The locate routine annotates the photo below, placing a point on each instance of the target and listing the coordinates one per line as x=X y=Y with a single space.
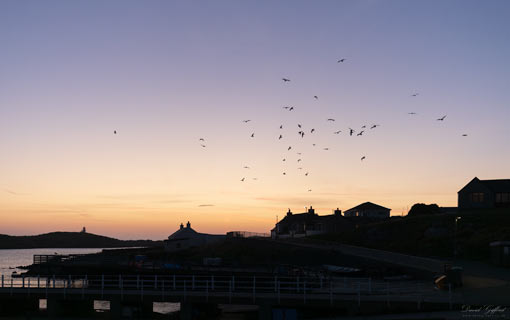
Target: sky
x=164 y=74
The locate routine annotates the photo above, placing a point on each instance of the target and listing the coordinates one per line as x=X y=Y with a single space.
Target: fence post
x=2 y=280
x=23 y=281
x=38 y=281
x=304 y=292
x=359 y=293
x=331 y=292
x=450 y=295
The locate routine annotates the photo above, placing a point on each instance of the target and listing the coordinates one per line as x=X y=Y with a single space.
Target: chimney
x=188 y=225
x=338 y=212
x=289 y=213
x=311 y=210
x=182 y=226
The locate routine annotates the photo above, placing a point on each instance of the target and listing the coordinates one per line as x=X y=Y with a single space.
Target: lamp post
x=455 y=238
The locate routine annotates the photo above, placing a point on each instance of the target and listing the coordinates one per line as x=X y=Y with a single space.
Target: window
x=503 y=197
x=476 y=197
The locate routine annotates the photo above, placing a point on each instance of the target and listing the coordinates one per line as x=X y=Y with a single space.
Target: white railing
x=312 y=288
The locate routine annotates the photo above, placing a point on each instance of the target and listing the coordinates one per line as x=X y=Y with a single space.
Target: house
x=485 y=194
x=186 y=237
x=368 y=210
x=297 y=225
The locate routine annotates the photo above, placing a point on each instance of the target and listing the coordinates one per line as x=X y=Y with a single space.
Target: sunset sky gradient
x=166 y=73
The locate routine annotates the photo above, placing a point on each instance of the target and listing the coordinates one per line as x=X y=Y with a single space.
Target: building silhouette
x=479 y=194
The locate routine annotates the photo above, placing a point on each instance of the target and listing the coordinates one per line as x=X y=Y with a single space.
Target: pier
x=75 y=294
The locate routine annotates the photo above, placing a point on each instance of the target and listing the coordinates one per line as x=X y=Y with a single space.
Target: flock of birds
x=302 y=133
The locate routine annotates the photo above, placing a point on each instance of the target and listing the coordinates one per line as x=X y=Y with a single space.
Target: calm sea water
x=11 y=259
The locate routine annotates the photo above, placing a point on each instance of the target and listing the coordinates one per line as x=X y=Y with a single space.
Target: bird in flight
x=351 y=131
x=290 y=147
x=441 y=119
x=242 y=179
x=246 y=121
x=363 y=158
x=412 y=113
x=299 y=153
x=309 y=190
x=374 y=126
x=316 y=97
x=114 y=131
x=253 y=135
x=337 y=132
x=299 y=126
x=326 y=149
x=306 y=174
x=464 y=135
x=313 y=144
x=285 y=107
x=360 y=133
x=302 y=134
x=300 y=168
x=330 y=119
x=203 y=145
x=341 y=60
x=312 y=131
x=298 y=160
x=246 y=167
x=283 y=159
x=281 y=126
x=280 y=137
x=285 y=80
x=284 y=173
x=415 y=94
x=291 y=108
x=201 y=139
x=363 y=127
x=254 y=178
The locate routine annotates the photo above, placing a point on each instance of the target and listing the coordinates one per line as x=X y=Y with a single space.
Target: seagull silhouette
x=306 y=174
x=412 y=113
x=114 y=131
x=285 y=107
x=351 y=131
x=441 y=119
x=246 y=167
x=299 y=126
x=254 y=178
x=312 y=131
x=415 y=94
x=464 y=135
x=283 y=159
x=280 y=137
x=317 y=98
x=360 y=133
x=326 y=149
x=337 y=132
x=298 y=160
x=309 y=190
x=253 y=135
x=374 y=126
x=363 y=158
x=242 y=179
x=246 y=121
x=291 y=108
x=285 y=80
x=341 y=60
x=284 y=173
x=201 y=139
x=300 y=168
x=203 y=145
x=330 y=119
x=302 y=134
x=299 y=153
x=363 y=127
x=281 y=126
x=290 y=147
